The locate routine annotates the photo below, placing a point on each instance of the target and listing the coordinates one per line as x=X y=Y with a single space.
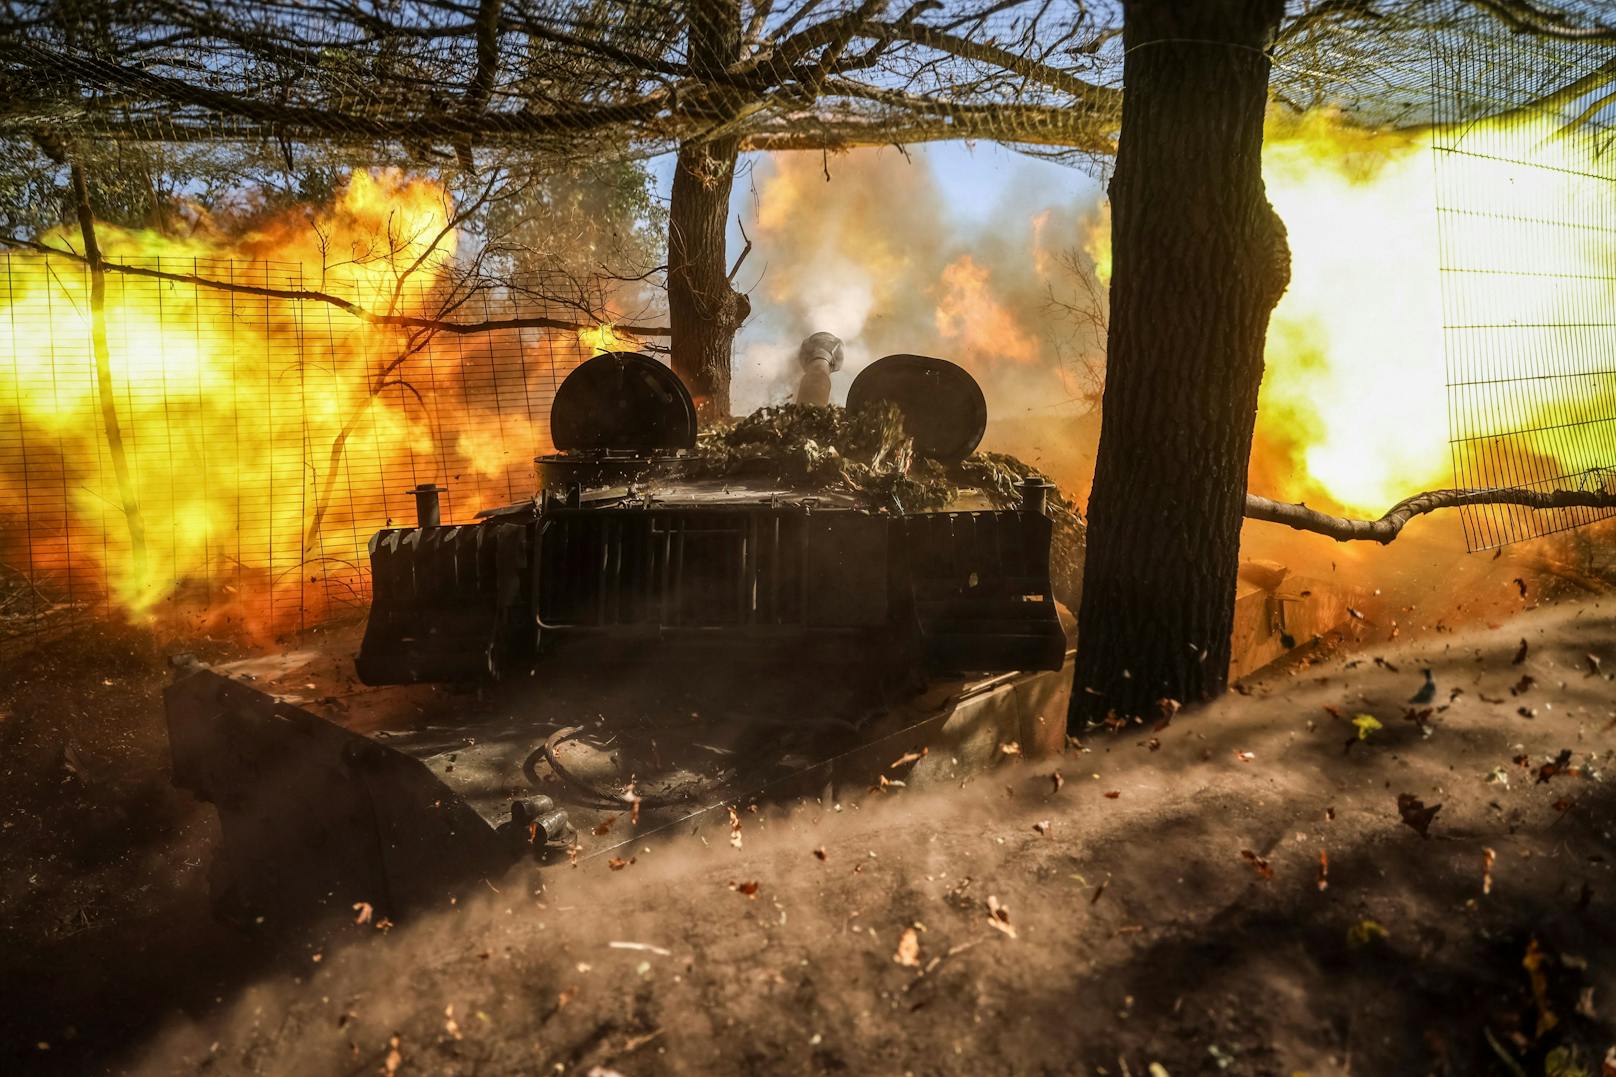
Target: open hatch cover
x=943 y=407
x=623 y=401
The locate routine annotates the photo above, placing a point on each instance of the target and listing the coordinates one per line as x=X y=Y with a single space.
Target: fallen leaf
x=1366 y=724
x=999 y=917
x=1365 y=932
x=363 y=911
x=1488 y=857
x=1258 y=864
x=750 y=889
x=1057 y=781
x=821 y=853
x=617 y=863
x=1522 y=685
x=908 y=954
x=1113 y=794
x=1521 y=584
x=604 y=826
x=1324 y=870
x=395 y=1057
x=1533 y=963
x=1244 y=757
x=450 y=1025
x=1520 y=655
x=1043 y=827
x=1557 y=765
x=1166 y=709
x=1593 y=664
x=734 y=828
x=1010 y=748
x=1415 y=814
x=1154 y=744
x=907 y=757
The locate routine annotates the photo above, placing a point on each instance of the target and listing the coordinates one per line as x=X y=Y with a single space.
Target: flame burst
x=1353 y=408
x=605 y=338
x=973 y=320
x=262 y=433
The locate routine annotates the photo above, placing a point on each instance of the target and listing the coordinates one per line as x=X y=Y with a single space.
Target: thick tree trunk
x=1199 y=262
x=704 y=311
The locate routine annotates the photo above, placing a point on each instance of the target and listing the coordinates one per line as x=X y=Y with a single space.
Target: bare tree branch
x=1529 y=18
x=1389 y=526
x=405 y=321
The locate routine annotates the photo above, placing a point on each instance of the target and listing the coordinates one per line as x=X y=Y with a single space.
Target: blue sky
x=972 y=177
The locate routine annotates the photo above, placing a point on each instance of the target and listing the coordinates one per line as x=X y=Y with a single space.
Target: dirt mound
x=1267 y=886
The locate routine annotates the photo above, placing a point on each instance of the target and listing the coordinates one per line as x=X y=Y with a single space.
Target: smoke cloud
x=877 y=255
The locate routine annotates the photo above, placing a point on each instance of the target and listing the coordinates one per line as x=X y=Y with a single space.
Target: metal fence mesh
x=1525 y=163
x=266 y=439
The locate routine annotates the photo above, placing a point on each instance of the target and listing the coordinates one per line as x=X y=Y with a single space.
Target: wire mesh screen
x=265 y=439
x=1526 y=204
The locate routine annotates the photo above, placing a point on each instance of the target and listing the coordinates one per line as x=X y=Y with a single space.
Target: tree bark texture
x=704 y=310
x=1199 y=261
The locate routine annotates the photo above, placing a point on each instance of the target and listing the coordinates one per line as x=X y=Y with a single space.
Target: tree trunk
x=1199 y=261
x=704 y=311
x=105 y=390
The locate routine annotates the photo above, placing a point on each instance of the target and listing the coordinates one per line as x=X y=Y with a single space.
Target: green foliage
x=579 y=218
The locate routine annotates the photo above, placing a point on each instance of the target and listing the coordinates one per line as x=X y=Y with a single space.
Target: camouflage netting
x=867 y=456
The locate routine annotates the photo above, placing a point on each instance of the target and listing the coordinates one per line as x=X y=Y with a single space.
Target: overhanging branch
x=1525 y=17
x=400 y=321
x=1389 y=526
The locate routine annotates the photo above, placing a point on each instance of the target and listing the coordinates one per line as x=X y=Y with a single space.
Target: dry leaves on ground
x=908 y=954
x=1415 y=814
x=999 y=917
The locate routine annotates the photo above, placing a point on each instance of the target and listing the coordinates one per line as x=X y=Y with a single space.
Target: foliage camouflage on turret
x=867 y=455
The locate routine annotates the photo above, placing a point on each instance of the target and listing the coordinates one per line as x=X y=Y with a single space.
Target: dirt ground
x=1239 y=892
